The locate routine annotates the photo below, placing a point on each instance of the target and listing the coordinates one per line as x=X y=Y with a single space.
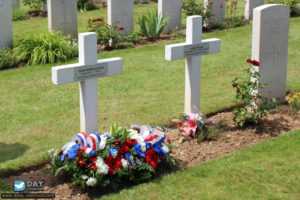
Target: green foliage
x=133 y=37
x=208 y=133
x=255 y=106
x=42 y=48
x=234 y=20
x=85 y=5
x=152 y=25
x=7 y=59
x=107 y=35
x=193 y=7
x=294 y=102
x=34 y=5
x=295 y=11
x=18 y=14
x=125 y=45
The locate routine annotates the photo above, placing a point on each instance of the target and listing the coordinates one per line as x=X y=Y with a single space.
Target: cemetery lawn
x=36 y=115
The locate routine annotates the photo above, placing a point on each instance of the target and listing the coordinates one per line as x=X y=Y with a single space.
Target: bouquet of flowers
x=195 y=125
x=109 y=158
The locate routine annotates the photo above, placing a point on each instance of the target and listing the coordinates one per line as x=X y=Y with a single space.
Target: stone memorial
x=270 y=35
x=16 y=3
x=121 y=11
x=250 y=5
x=192 y=50
x=173 y=10
x=62 y=16
x=86 y=73
x=217 y=9
x=143 y=1
x=6 y=31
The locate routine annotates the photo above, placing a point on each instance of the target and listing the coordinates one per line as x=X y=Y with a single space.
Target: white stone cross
x=86 y=72
x=192 y=50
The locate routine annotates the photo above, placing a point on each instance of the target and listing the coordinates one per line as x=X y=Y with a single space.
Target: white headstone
x=173 y=10
x=86 y=73
x=62 y=16
x=217 y=9
x=270 y=34
x=121 y=11
x=192 y=50
x=250 y=5
x=143 y=1
x=6 y=32
x=16 y=3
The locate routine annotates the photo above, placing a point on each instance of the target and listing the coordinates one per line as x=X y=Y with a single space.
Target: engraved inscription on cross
x=86 y=72
x=192 y=50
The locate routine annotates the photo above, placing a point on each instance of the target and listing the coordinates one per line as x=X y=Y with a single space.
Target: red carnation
x=151 y=158
x=255 y=63
x=121 y=28
x=133 y=142
x=113 y=163
x=93 y=158
x=117 y=143
x=92 y=166
x=80 y=161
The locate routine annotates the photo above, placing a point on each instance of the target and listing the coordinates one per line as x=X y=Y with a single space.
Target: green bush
x=152 y=25
x=107 y=35
x=18 y=14
x=234 y=20
x=192 y=7
x=34 y=5
x=45 y=48
x=7 y=59
x=125 y=45
x=133 y=38
x=85 y=5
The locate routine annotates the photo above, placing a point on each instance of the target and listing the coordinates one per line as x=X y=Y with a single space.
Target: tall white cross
x=192 y=50
x=86 y=72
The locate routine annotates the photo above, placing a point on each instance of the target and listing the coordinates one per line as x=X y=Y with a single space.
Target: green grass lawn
x=269 y=170
x=36 y=115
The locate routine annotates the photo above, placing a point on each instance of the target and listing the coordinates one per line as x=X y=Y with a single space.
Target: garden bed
x=188 y=153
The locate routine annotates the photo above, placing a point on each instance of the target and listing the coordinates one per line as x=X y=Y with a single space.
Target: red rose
x=151 y=158
x=169 y=140
x=113 y=163
x=121 y=28
x=255 y=63
x=133 y=142
x=93 y=158
x=80 y=161
x=249 y=60
x=99 y=19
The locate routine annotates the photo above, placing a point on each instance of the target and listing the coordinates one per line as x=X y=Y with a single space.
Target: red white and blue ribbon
x=88 y=150
x=80 y=139
x=93 y=141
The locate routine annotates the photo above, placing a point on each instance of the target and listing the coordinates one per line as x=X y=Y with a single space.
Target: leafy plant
x=18 y=14
x=34 y=5
x=152 y=25
x=193 y=7
x=234 y=20
x=85 y=5
x=42 y=48
x=295 y=11
x=7 y=59
x=107 y=35
x=133 y=37
x=294 y=102
x=255 y=106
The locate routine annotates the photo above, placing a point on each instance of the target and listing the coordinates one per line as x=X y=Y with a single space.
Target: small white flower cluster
x=125 y=163
x=102 y=168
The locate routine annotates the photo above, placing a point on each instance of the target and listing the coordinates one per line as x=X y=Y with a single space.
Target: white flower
x=102 y=168
x=165 y=148
x=91 y=182
x=137 y=137
x=124 y=163
x=84 y=177
x=143 y=147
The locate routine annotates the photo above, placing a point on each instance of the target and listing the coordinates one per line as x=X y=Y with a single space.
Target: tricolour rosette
x=80 y=139
x=94 y=141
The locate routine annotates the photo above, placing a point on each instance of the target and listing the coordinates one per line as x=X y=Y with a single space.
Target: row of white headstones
x=269 y=47
x=62 y=15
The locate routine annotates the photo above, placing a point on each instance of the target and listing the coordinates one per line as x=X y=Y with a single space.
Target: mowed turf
x=36 y=115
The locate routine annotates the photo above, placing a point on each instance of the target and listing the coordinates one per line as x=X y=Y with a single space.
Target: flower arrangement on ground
x=196 y=126
x=110 y=158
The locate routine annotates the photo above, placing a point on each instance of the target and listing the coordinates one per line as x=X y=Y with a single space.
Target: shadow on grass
x=11 y=151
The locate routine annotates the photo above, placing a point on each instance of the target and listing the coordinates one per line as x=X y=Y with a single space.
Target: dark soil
x=189 y=153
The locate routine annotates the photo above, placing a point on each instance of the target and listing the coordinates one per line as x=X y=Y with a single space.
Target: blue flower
x=127 y=156
x=113 y=152
x=137 y=149
x=71 y=153
x=157 y=148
